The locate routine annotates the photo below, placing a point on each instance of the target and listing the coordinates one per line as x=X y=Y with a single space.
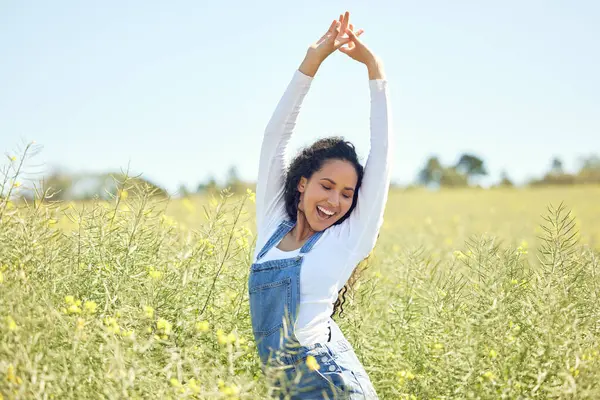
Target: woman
x=314 y=227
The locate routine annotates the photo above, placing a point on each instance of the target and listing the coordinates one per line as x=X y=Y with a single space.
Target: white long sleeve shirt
x=327 y=267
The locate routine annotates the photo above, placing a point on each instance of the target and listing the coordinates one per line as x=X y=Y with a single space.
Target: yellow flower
x=1 y=277
x=74 y=309
x=148 y=312
x=174 y=382
x=80 y=323
x=127 y=333
x=164 y=326
x=69 y=299
x=202 y=326
x=489 y=375
x=124 y=194
x=231 y=338
x=154 y=274
x=111 y=325
x=405 y=375
x=90 y=306
x=493 y=354
x=13 y=158
x=230 y=390
x=10 y=322
x=221 y=337
x=11 y=376
x=17 y=184
x=193 y=385
x=251 y=195
x=312 y=363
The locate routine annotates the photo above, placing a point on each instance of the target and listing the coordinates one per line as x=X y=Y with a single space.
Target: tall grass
x=119 y=300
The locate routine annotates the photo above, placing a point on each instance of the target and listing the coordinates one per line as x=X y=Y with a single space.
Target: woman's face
x=327 y=195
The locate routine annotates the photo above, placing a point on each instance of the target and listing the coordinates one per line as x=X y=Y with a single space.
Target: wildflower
x=164 y=326
x=221 y=337
x=111 y=325
x=80 y=323
x=193 y=385
x=493 y=353
x=74 y=309
x=127 y=333
x=17 y=184
x=489 y=375
x=69 y=299
x=1 y=277
x=230 y=390
x=231 y=338
x=438 y=346
x=406 y=374
x=90 y=306
x=148 y=312
x=312 y=363
x=202 y=326
x=12 y=158
x=11 y=324
x=251 y=195
x=459 y=255
x=174 y=382
x=154 y=274
x=11 y=377
x=124 y=194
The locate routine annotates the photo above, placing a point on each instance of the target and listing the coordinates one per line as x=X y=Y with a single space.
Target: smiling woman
x=316 y=220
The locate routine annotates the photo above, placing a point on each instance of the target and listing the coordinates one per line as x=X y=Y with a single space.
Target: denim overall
x=274 y=290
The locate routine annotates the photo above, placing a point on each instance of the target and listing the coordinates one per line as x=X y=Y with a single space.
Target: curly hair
x=308 y=161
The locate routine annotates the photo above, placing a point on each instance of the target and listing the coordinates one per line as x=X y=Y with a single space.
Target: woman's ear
x=302 y=184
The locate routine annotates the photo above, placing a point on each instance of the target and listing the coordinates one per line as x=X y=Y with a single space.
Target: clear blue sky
x=183 y=89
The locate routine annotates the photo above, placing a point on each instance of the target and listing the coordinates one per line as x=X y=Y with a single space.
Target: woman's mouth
x=323 y=213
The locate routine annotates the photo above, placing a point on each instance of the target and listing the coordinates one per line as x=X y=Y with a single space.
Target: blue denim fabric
x=274 y=289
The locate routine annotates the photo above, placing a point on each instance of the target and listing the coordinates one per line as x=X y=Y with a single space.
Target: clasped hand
x=341 y=33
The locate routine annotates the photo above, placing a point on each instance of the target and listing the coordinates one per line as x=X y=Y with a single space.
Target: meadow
x=469 y=293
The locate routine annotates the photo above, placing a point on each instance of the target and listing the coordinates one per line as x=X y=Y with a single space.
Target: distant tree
x=210 y=186
x=183 y=190
x=471 y=166
x=233 y=181
x=452 y=178
x=431 y=172
x=505 y=180
x=590 y=170
x=556 y=167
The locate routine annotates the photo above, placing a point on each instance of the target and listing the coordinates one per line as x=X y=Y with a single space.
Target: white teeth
x=324 y=211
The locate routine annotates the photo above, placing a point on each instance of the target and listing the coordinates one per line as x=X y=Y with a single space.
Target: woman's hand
x=357 y=50
x=332 y=40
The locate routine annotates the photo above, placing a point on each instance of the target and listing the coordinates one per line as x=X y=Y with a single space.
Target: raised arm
x=271 y=170
x=359 y=232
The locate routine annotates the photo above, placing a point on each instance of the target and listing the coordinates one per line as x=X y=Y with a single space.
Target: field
x=468 y=294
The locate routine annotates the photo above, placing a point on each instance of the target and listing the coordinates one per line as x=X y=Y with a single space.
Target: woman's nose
x=334 y=199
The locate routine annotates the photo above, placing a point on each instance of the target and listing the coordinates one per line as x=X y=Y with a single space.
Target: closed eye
x=328 y=188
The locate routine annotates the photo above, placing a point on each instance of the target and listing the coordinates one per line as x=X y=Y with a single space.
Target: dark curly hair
x=308 y=161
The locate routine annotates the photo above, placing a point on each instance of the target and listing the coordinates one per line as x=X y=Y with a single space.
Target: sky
x=180 y=91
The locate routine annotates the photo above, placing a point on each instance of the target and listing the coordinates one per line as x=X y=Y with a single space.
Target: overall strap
x=310 y=242
x=282 y=230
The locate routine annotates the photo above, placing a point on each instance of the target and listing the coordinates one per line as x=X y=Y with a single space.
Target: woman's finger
x=330 y=30
x=345 y=22
x=354 y=36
